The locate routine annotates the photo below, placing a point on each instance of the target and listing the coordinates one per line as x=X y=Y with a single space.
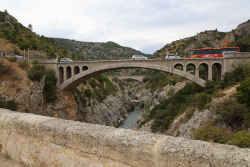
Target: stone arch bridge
x=71 y=74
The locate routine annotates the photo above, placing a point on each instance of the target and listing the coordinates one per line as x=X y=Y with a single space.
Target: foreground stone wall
x=46 y=141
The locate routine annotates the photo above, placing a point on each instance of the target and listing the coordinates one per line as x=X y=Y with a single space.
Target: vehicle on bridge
x=211 y=52
x=139 y=57
x=172 y=56
x=66 y=60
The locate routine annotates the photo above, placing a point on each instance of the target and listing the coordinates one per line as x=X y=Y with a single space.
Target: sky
x=144 y=25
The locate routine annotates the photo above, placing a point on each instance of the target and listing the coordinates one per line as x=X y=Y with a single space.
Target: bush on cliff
x=231 y=113
x=36 y=73
x=8 y=104
x=164 y=113
x=242 y=139
x=210 y=133
x=5 y=69
x=50 y=85
x=12 y=59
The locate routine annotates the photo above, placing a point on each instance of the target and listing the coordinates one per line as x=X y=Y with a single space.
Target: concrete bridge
x=71 y=74
x=135 y=77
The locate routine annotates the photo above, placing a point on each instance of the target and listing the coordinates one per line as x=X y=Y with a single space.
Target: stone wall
x=46 y=141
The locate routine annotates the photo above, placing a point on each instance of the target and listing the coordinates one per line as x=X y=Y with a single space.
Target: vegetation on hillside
x=97 y=50
x=37 y=72
x=94 y=90
x=211 y=38
x=25 y=39
x=5 y=103
x=156 y=80
x=234 y=112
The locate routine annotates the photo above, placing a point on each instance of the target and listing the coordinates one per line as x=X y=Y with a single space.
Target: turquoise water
x=129 y=121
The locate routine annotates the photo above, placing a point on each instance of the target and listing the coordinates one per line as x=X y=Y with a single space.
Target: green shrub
x=50 y=85
x=201 y=99
x=36 y=73
x=171 y=92
x=189 y=113
x=243 y=95
x=92 y=82
x=88 y=93
x=230 y=112
x=242 y=139
x=208 y=132
x=247 y=119
x=5 y=69
x=34 y=62
x=23 y=64
x=8 y=104
x=12 y=59
x=12 y=105
x=116 y=80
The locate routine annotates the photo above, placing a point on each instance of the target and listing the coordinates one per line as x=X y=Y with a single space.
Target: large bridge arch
x=75 y=80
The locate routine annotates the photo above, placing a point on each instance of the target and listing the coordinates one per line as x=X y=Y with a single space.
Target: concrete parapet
x=45 y=141
x=236 y=55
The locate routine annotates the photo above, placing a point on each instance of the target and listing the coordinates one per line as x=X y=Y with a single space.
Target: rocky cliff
x=30 y=98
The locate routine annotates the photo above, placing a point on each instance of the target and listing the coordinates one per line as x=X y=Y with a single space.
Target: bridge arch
x=84 y=68
x=68 y=72
x=60 y=75
x=206 y=66
x=179 y=65
x=75 y=80
x=76 y=70
x=219 y=70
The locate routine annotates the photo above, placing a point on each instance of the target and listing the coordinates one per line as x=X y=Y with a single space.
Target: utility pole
x=28 y=54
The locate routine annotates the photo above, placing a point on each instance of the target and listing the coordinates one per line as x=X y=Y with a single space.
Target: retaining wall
x=46 y=141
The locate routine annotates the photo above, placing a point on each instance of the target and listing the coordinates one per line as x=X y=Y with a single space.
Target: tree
x=242 y=139
x=50 y=85
x=30 y=27
x=243 y=95
x=231 y=112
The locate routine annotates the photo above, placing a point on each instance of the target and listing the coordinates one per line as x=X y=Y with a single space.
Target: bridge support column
x=64 y=75
x=210 y=73
x=196 y=72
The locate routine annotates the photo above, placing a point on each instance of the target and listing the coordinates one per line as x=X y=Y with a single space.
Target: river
x=129 y=121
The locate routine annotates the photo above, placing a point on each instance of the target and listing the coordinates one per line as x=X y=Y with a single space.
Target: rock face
x=199 y=118
x=110 y=112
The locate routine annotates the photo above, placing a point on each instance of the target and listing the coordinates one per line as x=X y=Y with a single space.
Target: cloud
x=145 y=25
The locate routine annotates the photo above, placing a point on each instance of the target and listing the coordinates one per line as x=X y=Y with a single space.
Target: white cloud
x=146 y=25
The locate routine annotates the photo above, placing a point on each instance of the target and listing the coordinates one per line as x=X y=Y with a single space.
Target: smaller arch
x=68 y=72
x=84 y=68
x=179 y=66
x=218 y=71
x=191 y=68
x=203 y=71
x=61 y=75
x=76 y=70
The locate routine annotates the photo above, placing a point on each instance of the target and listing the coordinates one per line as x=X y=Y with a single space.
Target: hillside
x=97 y=50
x=239 y=37
x=15 y=38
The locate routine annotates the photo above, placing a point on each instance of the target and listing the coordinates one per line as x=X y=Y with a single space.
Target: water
x=129 y=121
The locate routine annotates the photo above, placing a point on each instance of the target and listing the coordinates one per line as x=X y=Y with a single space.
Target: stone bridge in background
x=135 y=77
x=71 y=74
